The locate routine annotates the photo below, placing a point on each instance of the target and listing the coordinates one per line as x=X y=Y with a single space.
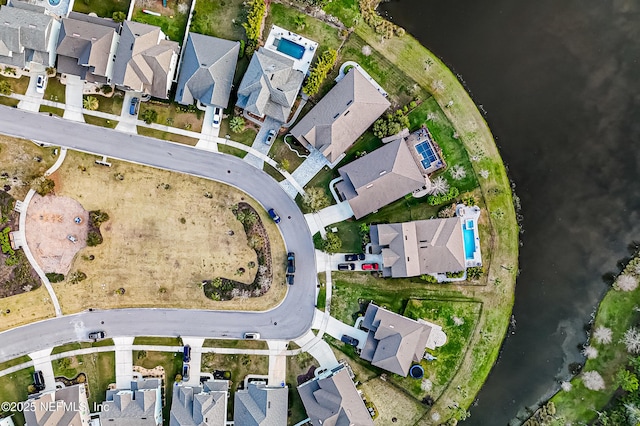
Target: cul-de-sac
x=226 y=212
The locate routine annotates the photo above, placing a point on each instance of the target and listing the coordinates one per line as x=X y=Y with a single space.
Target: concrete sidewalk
x=333 y=214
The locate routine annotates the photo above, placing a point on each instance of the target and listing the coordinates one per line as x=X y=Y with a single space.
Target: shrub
x=241 y=51
x=106 y=89
x=458 y=274
x=626 y=282
x=118 y=16
x=54 y=277
x=319 y=72
x=91 y=103
x=93 y=239
x=428 y=278
x=5 y=88
x=626 y=380
x=593 y=380
x=475 y=272
x=76 y=277
x=435 y=200
x=236 y=124
x=5 y=243
x=603 y=335
x=253 y=26
x=315 y=199
x=98 y=217
x=149 y=116
x=44 y=186
x=391 y=124
x=332 y=244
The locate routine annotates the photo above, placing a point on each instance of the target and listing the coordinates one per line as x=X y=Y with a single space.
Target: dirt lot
x=167 y=232
x=51 y=222
x=19 y=164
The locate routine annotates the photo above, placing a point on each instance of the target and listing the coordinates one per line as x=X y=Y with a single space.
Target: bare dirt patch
x=21 y=162
x=167 y=233
x=51 y=226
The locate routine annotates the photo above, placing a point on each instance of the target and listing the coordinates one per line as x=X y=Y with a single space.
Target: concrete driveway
x=208 y=130
x=73 y=99
x=32 y=103
x=327 y=216
x=258 y=142
x=128 y=122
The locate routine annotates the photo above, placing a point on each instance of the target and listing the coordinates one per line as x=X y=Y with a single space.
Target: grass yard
x=18 y=158
x=13 y=388
x=9 y=101
x=235 y=344
x=100 y=369
x=18 y=85
x=14 y=362
x=406 y=410
x=170 y=115
x=172 y=363
x=322 y=298
x=99 y=121
x=167 y=136
x=110 y=104
x=281 y=151
x=273 y=172
x=55 y=91
x=154 y=340
x=246 y=137
x=102 y=8
x=297 y=365
x=163 y=238
x=327 y=36
x=52 y=110
x=221 y=19
x=347 y=11
x=232 y=151
x=173 y=20
x=81 y=345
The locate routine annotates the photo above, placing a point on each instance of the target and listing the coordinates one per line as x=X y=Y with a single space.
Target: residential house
x=342 y=115
x=270 y=86
x=333 y=400
x=380 y=178
x=141 y=405
x=27 y=36
x=145 y=60
x=204 y=405
x=261 y=405
x=61 y=407
x=395 y=342
x=7 y=421
x=207 y=69
x=87 y=47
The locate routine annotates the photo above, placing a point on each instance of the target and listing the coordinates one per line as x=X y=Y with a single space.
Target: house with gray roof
x=27 y=36
x=395 y=342
x=61 y=407
x=410 y=249
x=333 y=400
x=270 y=86
x=139 y=406
x=380 y=178
x=207 y=69
x=87 y=47
x=204 y=405
x=341 y=116
x=261 y=405
x=145 y=60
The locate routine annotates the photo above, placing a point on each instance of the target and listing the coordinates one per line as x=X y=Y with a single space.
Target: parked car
x=97 y=335
x=185 y=372
x=252 y=336
x=290 y=279
x=217 y=117
x=40 y=84
x=353 y=257
x=274 y=215
x=38 y=380
x=186 y=353
x=291 y=263
x=346 y=266
x=350 y=340
x=270 y=137
x=72 y=239
x=133 y=108
x=370 y=266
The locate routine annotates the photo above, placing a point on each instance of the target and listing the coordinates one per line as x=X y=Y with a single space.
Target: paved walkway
x=73 y=99
x=310 y=167
x=318 y=348
x=124 y=361
x=333 y=214
x=42 y=361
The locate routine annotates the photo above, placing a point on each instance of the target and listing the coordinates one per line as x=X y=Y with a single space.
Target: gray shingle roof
x=260 y=405
x=207 y=69
x=204 y=405
x=345 y=113
x=334 y=401
x=145 y=60
x=73 y=396
x=270 y=85
x=394 y=341
x=135 y=407
x=84 y=46
x=379 y=178
x=25 y=35
x=421 y=247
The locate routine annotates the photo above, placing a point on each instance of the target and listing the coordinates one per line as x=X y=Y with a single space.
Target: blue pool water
x=469 y=242
x=290 y=48
x=54 y=2
x=426 y=151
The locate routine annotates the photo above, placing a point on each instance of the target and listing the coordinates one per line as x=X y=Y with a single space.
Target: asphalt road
x=289 y=320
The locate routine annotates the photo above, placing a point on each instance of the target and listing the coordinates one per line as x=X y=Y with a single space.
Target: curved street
x=289 y=320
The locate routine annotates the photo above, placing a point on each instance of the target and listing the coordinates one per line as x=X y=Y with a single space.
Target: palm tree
x=236 y=124
x=299 y=22
x=90 y=103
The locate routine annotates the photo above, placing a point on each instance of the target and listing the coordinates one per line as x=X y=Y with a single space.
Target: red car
x=370 y=267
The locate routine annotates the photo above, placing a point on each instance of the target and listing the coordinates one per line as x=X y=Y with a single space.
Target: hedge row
x=435 y=200
x=320 y=71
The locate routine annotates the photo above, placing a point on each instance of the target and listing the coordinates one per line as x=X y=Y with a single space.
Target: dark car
x=133 y=107
x=370 y=267
x=290 y=278
x=346 y=266
x=353 y=257
x=186 y=353
x=38 y=380
x=350 y=340
x=185 y=372
x=274 y=215
x=97 y=335
x=291 y=263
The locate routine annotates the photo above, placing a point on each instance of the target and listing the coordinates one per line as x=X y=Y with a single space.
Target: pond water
x=559 y=82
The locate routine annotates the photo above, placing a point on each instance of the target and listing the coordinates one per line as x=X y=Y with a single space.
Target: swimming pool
x=426 y=151
x=469 y=242
x=290 y=48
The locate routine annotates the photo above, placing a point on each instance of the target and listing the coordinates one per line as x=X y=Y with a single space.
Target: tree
x=627 y=380
x=299 y=22
x=118 y=16
x=602 y=335
x=43 y=186
x=91 y=103
x=626 y=282
x=5 y=88
x=590 y=352
x=51 y=71
x=315 y=199
x=284 y=164
x=333 y=243
x=631 y=340
x=593 y=380
x=439 y=186
x=320 y=71
x=98 y=217
x=93 y=239
x=236 y=124
x=149 y=116
x=253 y=26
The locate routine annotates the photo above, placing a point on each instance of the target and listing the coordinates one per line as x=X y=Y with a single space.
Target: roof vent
x=76 y=35
x=370 y=186
x=32 y=26
x=93 y=39
x=349 y=103
x=383 y=172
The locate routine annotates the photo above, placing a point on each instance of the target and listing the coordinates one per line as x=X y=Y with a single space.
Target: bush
x=236 y=124
x=241 y=51
x=5 y=243
x=315 y=199
x=44 y=186
x=428 y=278
x=253 y=26
x=5 y=88
x=391 y=124
x=475 y=272
x=93 y=239
x=319 y=72
x=98 y=217
x=76 y=277
x=458 y=274
x=149 y=116
x=106 y=89
x=118 y=16
x=332 y=244
x=435 y=200
x=54 y=277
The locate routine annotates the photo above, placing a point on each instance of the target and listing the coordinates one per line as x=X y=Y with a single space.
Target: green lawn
x=322 y=298
x=167 y=136
x=280 y=151
x=327 y=36
x=99 y=121
x=55 y=91
x=172 y=21
x=322 y=180
x=13 y=388
x=18 y=85
x=219 y=19
x=245 y=137
x=52 y=110
x=102 y=8
x=235 y=344
x=171 y=114
x=15 y=361
x=231 y=150
x=100 y=369
x=81 y=345
x=297 y=365
x=347 y=11
x=172 y=363
x=9 y=101
x=111 y=104
x=165 y=341
x=273 y=172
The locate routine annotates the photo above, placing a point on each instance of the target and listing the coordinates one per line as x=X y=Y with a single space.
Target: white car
x=40 y=84
x=217 y=117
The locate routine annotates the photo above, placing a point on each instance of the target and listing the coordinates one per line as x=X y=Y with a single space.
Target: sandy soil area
x=50 y=226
